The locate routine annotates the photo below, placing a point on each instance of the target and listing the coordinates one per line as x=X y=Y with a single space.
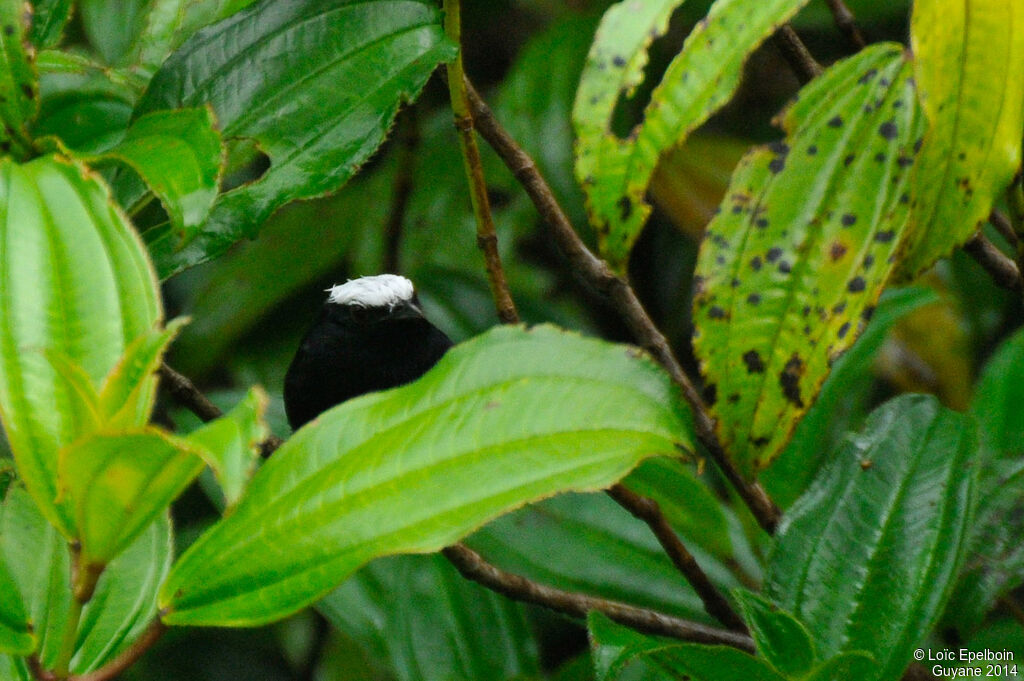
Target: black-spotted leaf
x=118 y=484
x=315 y=84
x=19 y=83
x=121 y=607
x=615 y=172
x=793 y=264
x=178 y=154
x=74 y=280
x=868 y=556
x=969 y=66
x=232 y=443
x=509 y=417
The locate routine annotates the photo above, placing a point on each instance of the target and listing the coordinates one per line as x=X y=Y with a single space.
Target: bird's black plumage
x=356 y=348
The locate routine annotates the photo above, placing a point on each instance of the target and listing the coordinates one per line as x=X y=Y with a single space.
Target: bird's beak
x=408 y=310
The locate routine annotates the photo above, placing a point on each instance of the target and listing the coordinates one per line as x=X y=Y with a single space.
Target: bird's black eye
x=361 y=315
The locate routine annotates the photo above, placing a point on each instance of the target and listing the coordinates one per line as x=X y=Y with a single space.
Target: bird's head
x=370 y=300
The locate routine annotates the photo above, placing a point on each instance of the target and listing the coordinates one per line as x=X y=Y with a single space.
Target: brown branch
x=621 y=296
x=1005 y=228
x=796 y=53
x=407 y=139
x=189 y=396
x=35 y=668
x=647 y=510
x=486 y=234
x=1003 y=270
x=129 y=656
x=518 y=588
x=847 y=23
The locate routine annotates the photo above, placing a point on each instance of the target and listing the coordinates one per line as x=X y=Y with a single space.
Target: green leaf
x=111 y=25
x=791 y=268
x=178 y=154
x=329 y=81
x=587 y=543
x=418 y=614
x=19 y=83
x=866 y=559
x=15 y=629
x=998 y=398
x=48 y=20
x=125 y=598
x=847 y=389
x=119 y=484
x=969 y=64
x=232 y=443
x=614 y=647
x=504 y=419
x=615 y=172
x=129 y=390
x=780 y=638
x=85 y=105
x=74 y=279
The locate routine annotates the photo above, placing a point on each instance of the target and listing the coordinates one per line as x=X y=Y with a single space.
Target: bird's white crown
x=382 y=290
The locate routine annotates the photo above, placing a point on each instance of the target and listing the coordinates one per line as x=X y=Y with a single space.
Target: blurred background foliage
x=408 y=211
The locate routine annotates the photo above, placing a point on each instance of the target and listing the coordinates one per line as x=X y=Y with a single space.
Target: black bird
x=371 y=335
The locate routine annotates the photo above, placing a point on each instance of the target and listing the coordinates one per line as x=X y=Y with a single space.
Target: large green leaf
x=122 y=605
x=507 y=418
x=587 y=543
x=74 y=279
x=969 y=65
x=615 y=172
x=88 y=107
x=178 y=154
x=419 y=615
x=791 y=268
x=119 y=484
x=867 y=557
x=19 y=83
x=315 y=84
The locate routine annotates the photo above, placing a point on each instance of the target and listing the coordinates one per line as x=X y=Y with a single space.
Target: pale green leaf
x=178 y=154
x=119 y=484
x=969 y=65
x=868 y=556
x=232 y=443
x=615 y=172
x=122 y=605
x=792 y=266
x=331 y=77
x=507 y=418
x=74 y=279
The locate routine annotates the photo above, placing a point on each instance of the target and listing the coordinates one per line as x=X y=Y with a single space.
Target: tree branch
x=188 y=395
x=1004 y=227
x=800 y=59
x=1003 y=270
x=129 y=656
x=847 y=23
x=518 y=588
x=647 y=510
x=486 y=234
x=620 y=294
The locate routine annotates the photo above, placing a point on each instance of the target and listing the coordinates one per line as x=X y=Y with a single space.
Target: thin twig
x=647 y=510
x=407 y=139
x=1005 y=228
x=621 y=296
x=129 y=656
x=847 y=23
x=188 y=395
x=35 y=668
x=796 y=53
x=474 y=567
x=486 y=234
x=1004 y=271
